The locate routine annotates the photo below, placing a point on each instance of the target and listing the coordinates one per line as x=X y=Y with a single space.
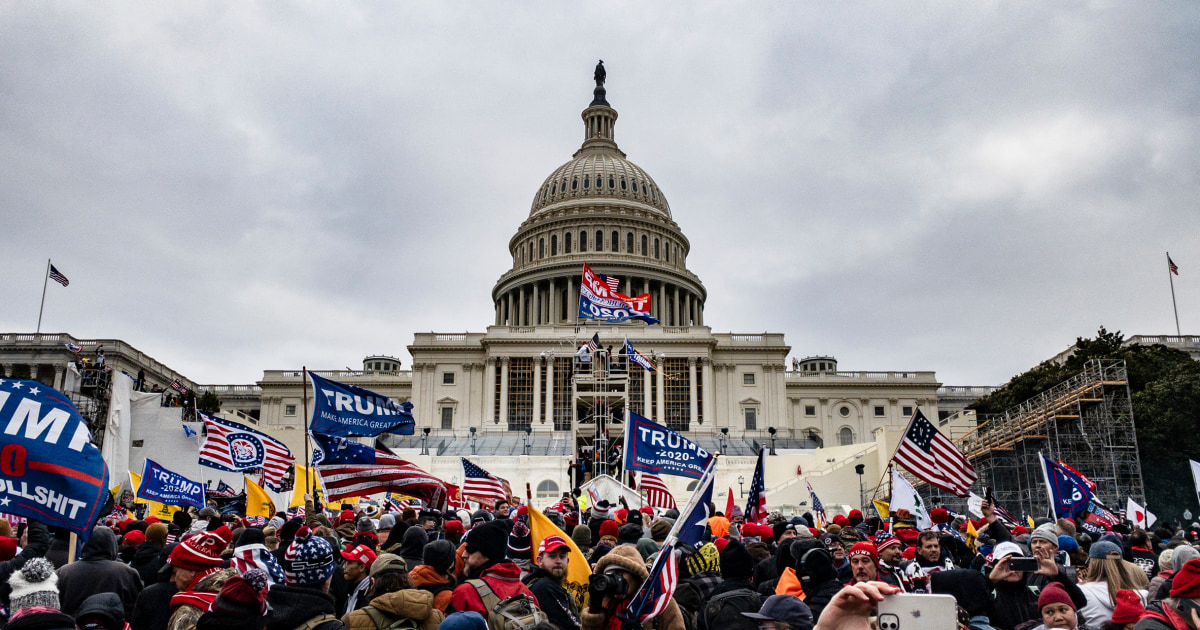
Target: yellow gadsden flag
x=304 y=481
x=882 y=508
x=258 y=502
x=578 y=569
x=972 y=535
x=158 y=510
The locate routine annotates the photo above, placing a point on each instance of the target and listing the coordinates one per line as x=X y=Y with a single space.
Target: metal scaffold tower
x=1085 y=421
x=599 y=394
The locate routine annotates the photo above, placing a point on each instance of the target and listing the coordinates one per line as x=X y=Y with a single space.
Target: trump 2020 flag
x=1069 y=493
x=49 y=469
x=651 y=447
x=169 y=488
x=347 y=410
x=597 y=300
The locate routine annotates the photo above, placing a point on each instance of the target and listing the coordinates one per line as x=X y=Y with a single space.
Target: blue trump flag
x=653 y=448
x=1068 y=492
x=347 y=410
x=49 y=469
x=169 y=488
x=332 y=450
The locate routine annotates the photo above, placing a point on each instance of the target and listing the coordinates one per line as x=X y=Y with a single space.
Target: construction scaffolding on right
x=1086 y=422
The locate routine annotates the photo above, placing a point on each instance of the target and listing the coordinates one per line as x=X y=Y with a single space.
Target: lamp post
x=724 y=436
x=771 y=430
x=425 y=441
x=472 y=440
x=528 y=431
x=741 y=488
x=860 y=470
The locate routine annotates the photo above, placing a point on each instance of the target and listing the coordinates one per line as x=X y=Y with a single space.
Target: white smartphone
x=911 y=611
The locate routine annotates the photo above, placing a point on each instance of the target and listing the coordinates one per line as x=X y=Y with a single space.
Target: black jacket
x=147 y=560
x=107 y=606
x=553 y=599
x=292 y=606
x=412 y=546
x=152 y=610
x=98 y=572
x=39 y=543
x=1015 y=603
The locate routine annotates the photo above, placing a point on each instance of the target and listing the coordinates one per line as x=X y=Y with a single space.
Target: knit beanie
x=1047 y=533
x=156 y=533
x=864 y=548
x=39 y=618
x=439 y=555
x=1182 y=555
x=1067 y=543
x=308 y=561
x=609 y=528
x=244 y=594
x=200 y=552
x=883 y=540
x=634 y=517
x=289 y=529
x=387 y=521
x=706 y=559
x=1186 y=584
x=35 y=584
x=582 y=537
x=365 y=524
x=736 y=562
x=659 y=529
x=939 y=516
x=629 y=534
x=469 y=620
x=490 y=539
x=1054 y=593
x=1128 y=608
x=519 y=542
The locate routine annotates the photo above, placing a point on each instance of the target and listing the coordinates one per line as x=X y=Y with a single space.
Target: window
x=611 y=182
x=747 y=379
x=137 y=443
x=656 y=248
x=599 y=241
x=635 y=185
x=616 y=241
x=645 y=245
x=810 y=410
x=567 y=243
x=586 y=181
x=289 y=410
x=541 y=248
x=574 y=184
x=751 y=418
x=553 y=244
x=844 y=411
x=907 y=411
x=599 y=182
x=583 y=241
x=447 y=378
x=447 y=417
x=878 y=410
x=622 y=184
x=846 y=436
x=667 y=252
x=547 y=490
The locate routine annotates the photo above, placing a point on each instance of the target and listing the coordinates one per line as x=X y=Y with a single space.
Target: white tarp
x=605 y=487
x=115 y=448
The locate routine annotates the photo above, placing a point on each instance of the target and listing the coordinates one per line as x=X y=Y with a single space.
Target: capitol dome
x=603 y=210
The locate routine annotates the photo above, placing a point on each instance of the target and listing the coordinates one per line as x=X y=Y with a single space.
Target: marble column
x=553 y=303
x=687 y=309
x=522 y=318
x=508 y=321
x=709 y=391
x=693 y=410
x=550 y=390
x=663 y=308
x=535 y=305
x=537 y=388
x=662 y=396
x=676 y=311
x=489 y=391
x=504 y=390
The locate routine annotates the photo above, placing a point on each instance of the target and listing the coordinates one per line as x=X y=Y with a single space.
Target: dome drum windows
x=616 y=241
x=645 y=245
x=629 y=243
x=599 y=241
x=553 y=244
x=583 y=241
x=567 y=243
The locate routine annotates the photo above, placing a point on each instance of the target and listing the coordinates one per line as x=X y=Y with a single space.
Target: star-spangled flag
x=74 y=348
x=1170 y=265
x=756 y=505
x=235 y=448
x=57 y=276
x=657 y=493
x=613 y=282
x=933 y=458
x=482 y=486
x=593 y=344
x=225 y=489
x=257 y=556
x=820 y=518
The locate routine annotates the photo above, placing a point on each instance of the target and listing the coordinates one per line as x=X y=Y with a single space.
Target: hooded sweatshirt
x=105 y=605
x=292 y=606
x=441 y=586
x=412 y=546
x=98 y=572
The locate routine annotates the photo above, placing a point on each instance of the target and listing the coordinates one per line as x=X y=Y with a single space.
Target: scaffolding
x=1085 y=421
x=599 y=398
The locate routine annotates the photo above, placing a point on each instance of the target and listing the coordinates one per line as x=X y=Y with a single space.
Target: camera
x=608 y=584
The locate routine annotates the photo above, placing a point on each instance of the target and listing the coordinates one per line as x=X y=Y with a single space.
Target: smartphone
x=1023 y=565
x=987 y=494
x=910 y=611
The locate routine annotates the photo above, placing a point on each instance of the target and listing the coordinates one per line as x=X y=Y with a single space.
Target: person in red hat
x=356 y=566
x=1056 y=608
x=1128 y=610
x=864 y=562
x=1180 y=610
x=608 y=532
x=546 y=583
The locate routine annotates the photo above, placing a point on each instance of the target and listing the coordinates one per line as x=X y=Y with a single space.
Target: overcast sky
x=954 y=186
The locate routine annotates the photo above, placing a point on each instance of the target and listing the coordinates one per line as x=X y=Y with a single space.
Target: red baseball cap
x=551 y=543
x=361 y=553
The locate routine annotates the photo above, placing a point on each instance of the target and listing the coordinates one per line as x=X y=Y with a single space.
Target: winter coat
x=409 y=603
x=98 y=572
x=185 y=616
x=1152 y=623
x=553 y=599
x=152 y=610
x=39 y=543
x=1099 y=608
x=504 y=578
x=107 y=605
x=627 y=557
x=293 y=606
x=441 y=586
x=147 y=560
x=1014 y=603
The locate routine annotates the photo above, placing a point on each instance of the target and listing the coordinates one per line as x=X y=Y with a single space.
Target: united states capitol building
x=516 y=398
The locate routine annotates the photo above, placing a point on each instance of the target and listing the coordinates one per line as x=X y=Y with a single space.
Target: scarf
x=203 y=601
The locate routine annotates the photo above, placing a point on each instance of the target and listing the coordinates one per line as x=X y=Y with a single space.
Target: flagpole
x=894 y=451
x=46 y=281
x=1169 y=277
x=1049 y=489
x=307 y=422
x=708 y=473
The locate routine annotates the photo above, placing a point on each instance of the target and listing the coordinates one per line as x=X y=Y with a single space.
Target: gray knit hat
x=365 y=524
x=35 y=584
x=387 y=521
x=1047 y=533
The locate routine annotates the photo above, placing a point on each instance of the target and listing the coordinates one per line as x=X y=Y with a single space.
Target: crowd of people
x=358 y=567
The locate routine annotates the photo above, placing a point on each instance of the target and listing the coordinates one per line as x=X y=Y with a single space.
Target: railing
x=112 y=347
x=450 y=336
x=863 y=375
x=1165 y=340
x=966 y=390
x=336 y=374
x=230 y=389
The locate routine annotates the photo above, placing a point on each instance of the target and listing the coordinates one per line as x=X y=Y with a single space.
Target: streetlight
x=425 y=441
x=528 y=431
x=724 y=436
x=860 y=470
x=741 y=489
x=472 y=440
x=771 y=430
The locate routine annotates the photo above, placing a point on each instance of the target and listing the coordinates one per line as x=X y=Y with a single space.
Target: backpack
x=382 y=620
x=518 y=612
x=724 y=611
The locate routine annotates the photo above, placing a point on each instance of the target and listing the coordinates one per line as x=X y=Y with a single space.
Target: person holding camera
x=1180 y=610
x=617 y=577
x=1015 y=602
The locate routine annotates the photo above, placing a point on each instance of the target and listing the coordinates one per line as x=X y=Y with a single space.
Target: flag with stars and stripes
x=756 y=505
x=1170 y=266
x=234 y=447
x=593 y=344
x=933 y=458
x=613 y=282
x=657 y=494
x=656 y=591
x=482 y=486
x=57 y=276
x=819 y=517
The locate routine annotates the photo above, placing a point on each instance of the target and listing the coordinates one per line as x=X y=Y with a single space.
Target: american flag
x=224 y=489
x=1004 y=516
x=389 y=473
x=818 y=510
x=655 y=594
x=234 y=447
x=57 y=276
x=657 y=494
x=1170 y=265
x=257 y=556
x=593 y=344
x=482 y=486
x=756 y=506
x=74 y=348
x=613 y=282
x=179 y=387
x=933 y=458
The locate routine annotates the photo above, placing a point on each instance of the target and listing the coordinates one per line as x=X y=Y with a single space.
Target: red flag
x=729 y=503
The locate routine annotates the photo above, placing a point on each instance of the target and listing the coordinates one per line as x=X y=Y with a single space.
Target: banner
x=233 y=504
x=905 y=497
x=1069 y=493
x=236 y=448
x=164 y=486
x=1096 y=519
x=258 y=502
x=599 y=302
x=653 y=448
x=305 y=477
x=156 y=509
x=578 y=569
x=346 y=410
x=1195 y=466
x=49 y=469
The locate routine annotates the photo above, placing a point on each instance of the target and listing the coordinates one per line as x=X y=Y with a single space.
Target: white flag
x=905 y=497
x=1195 y=474
x=1139 y=515
x=975 y=505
